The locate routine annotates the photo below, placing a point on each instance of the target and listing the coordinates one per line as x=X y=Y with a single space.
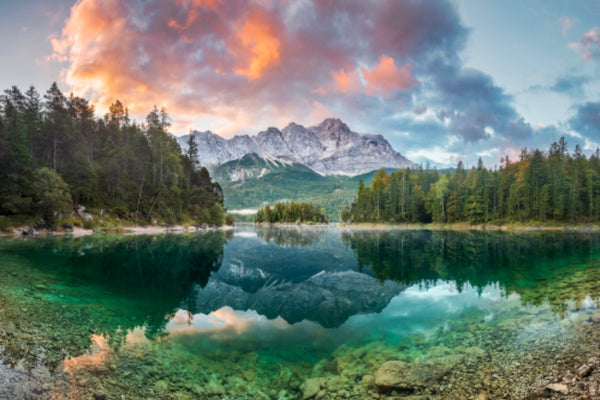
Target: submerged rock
x=393 y=375
x=418 y=375
x=312 y=387
x=584 y=370
x=557 y=387
x=429 y=372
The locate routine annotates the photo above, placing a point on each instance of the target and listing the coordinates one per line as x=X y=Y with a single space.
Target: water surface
x=258 y=312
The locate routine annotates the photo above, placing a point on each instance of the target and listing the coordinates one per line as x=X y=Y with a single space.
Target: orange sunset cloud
x=257 y=48
x=386 y=76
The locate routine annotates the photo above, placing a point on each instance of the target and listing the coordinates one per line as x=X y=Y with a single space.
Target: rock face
x=329 y=148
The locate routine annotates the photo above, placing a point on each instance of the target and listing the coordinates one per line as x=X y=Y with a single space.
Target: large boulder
x=418 y=375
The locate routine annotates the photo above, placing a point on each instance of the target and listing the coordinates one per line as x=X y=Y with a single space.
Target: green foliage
x=553 y=186
x=291 y=212
x=109 y=163
x=51 y=193
x=229 y=219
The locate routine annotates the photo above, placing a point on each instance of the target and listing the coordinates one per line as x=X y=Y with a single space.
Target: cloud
x=347 y=82
x=248 y=65
x=589 y=45
x=572 y=85
x=566 y=23
x=471 y=105
x=387 y=77
x=586 y=121
x=255 y=47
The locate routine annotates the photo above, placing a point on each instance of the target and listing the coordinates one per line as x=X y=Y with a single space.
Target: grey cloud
x=572 y=85
x=587 y=120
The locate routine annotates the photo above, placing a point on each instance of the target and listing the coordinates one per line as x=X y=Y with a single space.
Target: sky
x=442 y=80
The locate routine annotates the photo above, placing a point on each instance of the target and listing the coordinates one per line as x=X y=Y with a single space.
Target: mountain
x=329 y=148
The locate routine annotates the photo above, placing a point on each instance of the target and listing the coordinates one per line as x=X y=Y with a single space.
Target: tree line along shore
x=56 y=154
x=550 y=188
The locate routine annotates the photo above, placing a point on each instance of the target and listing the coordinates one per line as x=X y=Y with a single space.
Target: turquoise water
x=267 y=312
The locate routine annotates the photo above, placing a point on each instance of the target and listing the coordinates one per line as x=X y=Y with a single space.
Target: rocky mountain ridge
x=330 y=148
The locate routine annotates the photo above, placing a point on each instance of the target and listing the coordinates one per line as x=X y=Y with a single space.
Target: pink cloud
x=589 y=45
x=347 y=82
x=387 y=77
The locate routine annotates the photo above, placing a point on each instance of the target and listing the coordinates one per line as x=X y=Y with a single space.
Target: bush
x=88 y=224
x=51 y=192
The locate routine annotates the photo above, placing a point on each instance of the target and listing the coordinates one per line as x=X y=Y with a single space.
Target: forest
x=541 y=187
x=290 y=212
x=56 y=154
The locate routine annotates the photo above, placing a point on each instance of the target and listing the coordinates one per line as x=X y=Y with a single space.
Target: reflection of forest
x=70 y=288
x=553 y=267
x=291 y=235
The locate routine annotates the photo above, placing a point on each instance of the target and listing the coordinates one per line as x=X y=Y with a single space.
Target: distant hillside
x=270 y=181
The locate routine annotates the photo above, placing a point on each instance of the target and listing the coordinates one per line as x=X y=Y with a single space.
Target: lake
x=293 y=313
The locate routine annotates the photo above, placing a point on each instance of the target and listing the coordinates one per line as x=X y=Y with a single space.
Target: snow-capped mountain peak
x=329 y=148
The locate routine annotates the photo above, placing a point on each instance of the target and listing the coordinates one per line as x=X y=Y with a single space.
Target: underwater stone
x=427 y=373
x=392 y=374
x=312 y=387
x=400 y=375
x=558 y=387
x=214 y=389
x=584 y=370
x=367 y=380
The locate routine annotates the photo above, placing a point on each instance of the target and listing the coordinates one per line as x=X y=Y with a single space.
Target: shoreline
x=467 y=227
x=356 y=227
x=123 y=230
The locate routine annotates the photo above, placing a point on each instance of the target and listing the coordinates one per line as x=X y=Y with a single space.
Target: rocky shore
x=27 y=231
x=489 y=362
